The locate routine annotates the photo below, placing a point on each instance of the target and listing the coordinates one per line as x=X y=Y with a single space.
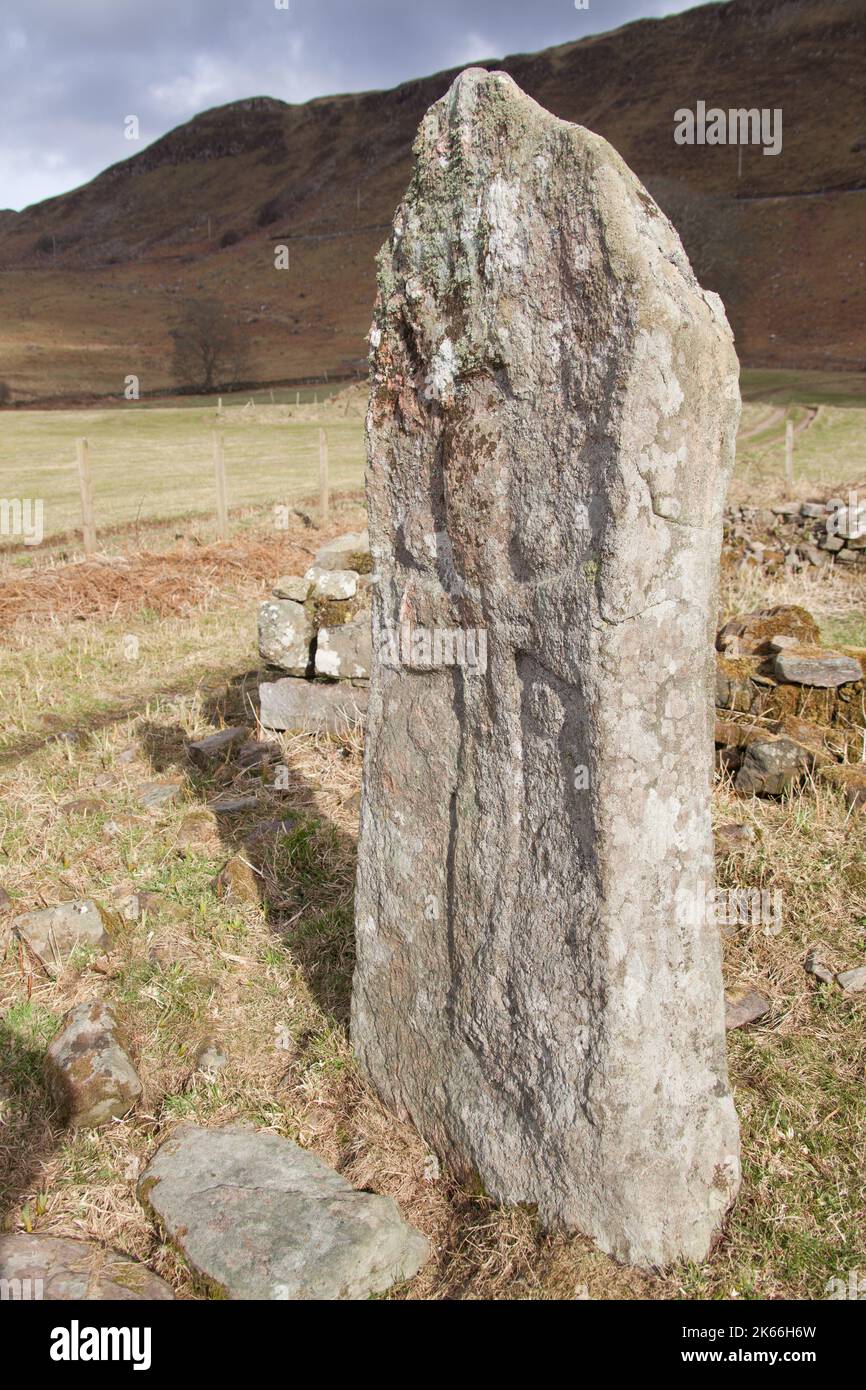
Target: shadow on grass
x=304 y=864
x=29 y=1129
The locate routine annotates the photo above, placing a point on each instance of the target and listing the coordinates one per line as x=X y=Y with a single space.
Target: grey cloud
x=71 y=72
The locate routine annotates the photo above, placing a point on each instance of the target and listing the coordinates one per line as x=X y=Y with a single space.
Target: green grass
x=151 y=461
x=157 y=462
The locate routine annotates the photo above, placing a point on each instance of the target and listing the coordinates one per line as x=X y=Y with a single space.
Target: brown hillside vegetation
x=92 y=281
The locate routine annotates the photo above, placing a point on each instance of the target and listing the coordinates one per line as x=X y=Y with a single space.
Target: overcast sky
x=72 y=70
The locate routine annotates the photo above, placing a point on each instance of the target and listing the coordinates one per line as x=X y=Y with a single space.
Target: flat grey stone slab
x=260 y=1218
x=155 y=795
x=298 y=706
x=826 y=670
x=56 y=1268
x=53 y=933
x=852 y=981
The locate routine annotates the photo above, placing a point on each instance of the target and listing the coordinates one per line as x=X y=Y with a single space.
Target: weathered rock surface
x=260 y=1218
x=286 y=634
x=333 y=584
x=88 y=1069
x=743 y=1006
x=770 y=766
x=754 y=633
x=57 y=1268
x=238 y=880
x=852 y=981
x=310 y=706
x=156 y=795
x=551 y=430
x=215 y=748
x=53 y=933
x=348 y=552
x=292 y=586
x=345 y=652
x=814 y=666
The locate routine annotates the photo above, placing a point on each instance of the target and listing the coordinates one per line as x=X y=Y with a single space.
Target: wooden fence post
x=324 y=493
x=219 y=465
x=789 y=452
x=85 y=483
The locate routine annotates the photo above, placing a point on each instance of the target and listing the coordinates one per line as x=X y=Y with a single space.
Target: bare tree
x=209 y=350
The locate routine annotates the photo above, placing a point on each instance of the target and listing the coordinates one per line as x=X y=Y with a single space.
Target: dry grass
x=271 y=980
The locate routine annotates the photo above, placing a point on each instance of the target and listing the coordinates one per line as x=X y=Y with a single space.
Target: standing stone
x=550 y=436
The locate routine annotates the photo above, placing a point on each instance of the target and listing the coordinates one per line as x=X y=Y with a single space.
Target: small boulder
x=88 y=1070
x=53 y=933
x=155 y=795
x=852 y=981
x=285 y=635
x=215 y=748
x=744 y=1006
x=332 y=584
x=770 y=766
x=238 y=881
x=58 y=1269
x=292 y=586
x=258 y=1217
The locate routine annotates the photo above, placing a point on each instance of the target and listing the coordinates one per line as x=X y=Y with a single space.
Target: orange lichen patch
x=755 y=630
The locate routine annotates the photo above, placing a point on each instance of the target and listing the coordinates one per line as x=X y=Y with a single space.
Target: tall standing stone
x=550 y=435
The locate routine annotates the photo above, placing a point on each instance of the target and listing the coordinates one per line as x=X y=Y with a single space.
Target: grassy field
x=155 y=461
x=84 y=728
x=150 y=462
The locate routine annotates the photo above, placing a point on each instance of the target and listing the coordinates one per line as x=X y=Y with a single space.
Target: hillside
x=91 y=281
